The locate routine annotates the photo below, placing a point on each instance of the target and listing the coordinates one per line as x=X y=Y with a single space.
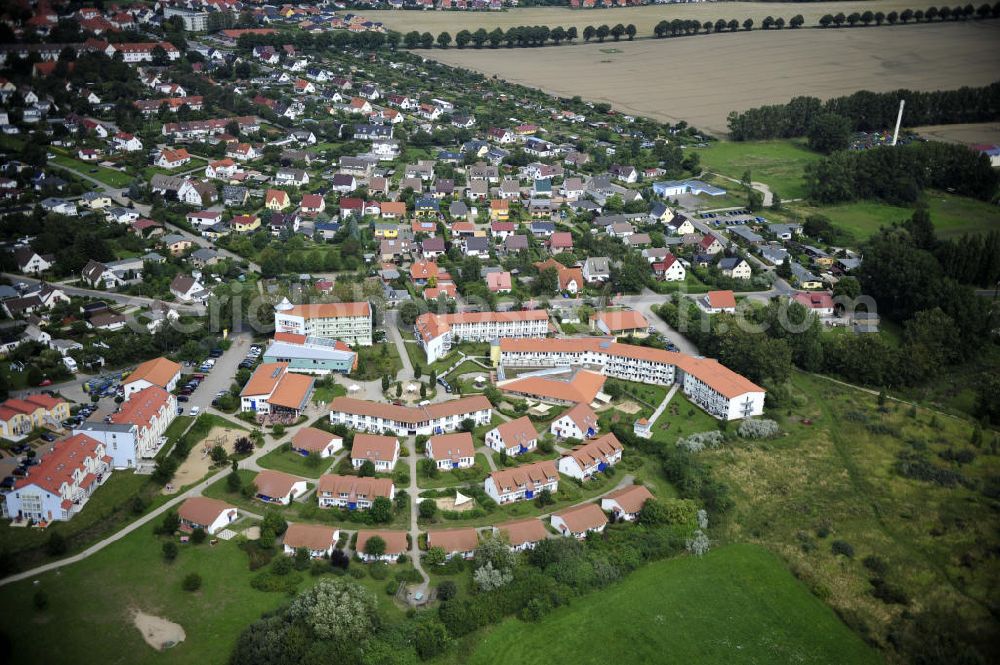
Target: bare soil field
x=644 y=18
x=158 y=632
x=702 y=79
x=968 y=134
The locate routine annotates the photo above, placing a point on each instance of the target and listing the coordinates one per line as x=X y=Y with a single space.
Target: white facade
x=716 y=389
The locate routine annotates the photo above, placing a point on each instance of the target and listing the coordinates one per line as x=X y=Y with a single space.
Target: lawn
x=952 y=215
x=376 y=361
x=476 y=473
x=323 y=394
x=108 y=510
x=834 y=476
x=97 y=596
x=738 y=604
x=291 y=462
x=778 y=164
x=110 y=177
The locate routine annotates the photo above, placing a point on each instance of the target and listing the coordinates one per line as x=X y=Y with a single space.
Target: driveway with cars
x=220 y=377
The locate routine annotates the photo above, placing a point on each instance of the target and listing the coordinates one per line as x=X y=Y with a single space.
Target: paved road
x=222 y=375
x=414 y=491
x=392 y=330
x=121 y=298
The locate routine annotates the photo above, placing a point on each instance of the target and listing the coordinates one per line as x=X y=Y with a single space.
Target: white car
x=195 y=410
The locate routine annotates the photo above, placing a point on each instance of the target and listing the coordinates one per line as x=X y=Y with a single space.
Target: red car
x=46 y=382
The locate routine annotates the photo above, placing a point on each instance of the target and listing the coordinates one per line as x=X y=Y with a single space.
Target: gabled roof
x=313 y=537
x=395 y=541
x=374 y=447
x=582 y=518
x=158 y=371
x=631 y=498
x=451 y=446
x=454 y=540
x=516 y=433
x=202 y=510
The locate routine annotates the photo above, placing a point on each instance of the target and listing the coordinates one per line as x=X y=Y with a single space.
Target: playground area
x=458 y=503
x=199 y=460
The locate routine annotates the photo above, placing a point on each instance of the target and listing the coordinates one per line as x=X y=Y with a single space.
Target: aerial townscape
x=384 y=332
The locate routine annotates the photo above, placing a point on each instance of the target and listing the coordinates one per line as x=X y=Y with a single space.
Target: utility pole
x=899 y=120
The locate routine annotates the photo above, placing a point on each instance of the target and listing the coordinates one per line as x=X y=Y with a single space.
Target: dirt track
x=701 y=79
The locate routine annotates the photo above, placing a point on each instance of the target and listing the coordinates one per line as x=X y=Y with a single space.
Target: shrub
x=758 y=428
x=192 y=582
x=695 y=443
x=41 y=600
x=198 y=536
x=889 y=593
x=875 y=564
x=169 y=550
x=390 y=587
x=56 y=544
x=357 y=572
x=338 y=559
x=282 y=565
x=842 y=547
x=428 y=508
x=447 y=590
x=378 y=570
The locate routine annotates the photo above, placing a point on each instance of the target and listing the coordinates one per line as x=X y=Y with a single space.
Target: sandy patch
x=448 y=503
x=158 y=632
x=628 y=407
x=731 y=67
x=199 y=462
x=252 y=533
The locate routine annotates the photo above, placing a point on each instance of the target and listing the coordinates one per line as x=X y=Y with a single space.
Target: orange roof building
x=350 y=322
x=314 y=440
x=452 y=451
x=438 y=418
x=278 y=487
x=318 y=539
x=272 y=389
x=627 y=502
x=352 y=492
x=435 y=332
x=522 y=534
x=396 y=543
x=59 y=486
x=523 y=482
x=583 y=387
x=382 y=451
x=454 y=542
x=514 y=437
x=18 y=417
x=589 y=459
x=156 y=372
x=580 y=520
x=211 y=515
x=715 y=388
x=622 y=322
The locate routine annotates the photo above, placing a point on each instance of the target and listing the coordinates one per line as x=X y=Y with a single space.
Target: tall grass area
x=853 y=492
x=738 y=604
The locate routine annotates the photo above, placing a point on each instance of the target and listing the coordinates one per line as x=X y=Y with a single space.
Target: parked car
x=48 y=437
x=183 y=398
x=195 y=410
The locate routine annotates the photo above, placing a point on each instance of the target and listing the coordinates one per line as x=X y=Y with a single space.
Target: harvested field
x=644 y=18
x=968 y=134
x=729 y=72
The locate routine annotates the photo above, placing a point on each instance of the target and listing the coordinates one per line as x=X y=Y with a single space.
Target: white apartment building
x=59 y=486
x=349 y=322
x=437 y=332
x=364 y=416
x=352 y=492
x=715 y=388
x=137 y=431
x=522 y=483
x=591 y=458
